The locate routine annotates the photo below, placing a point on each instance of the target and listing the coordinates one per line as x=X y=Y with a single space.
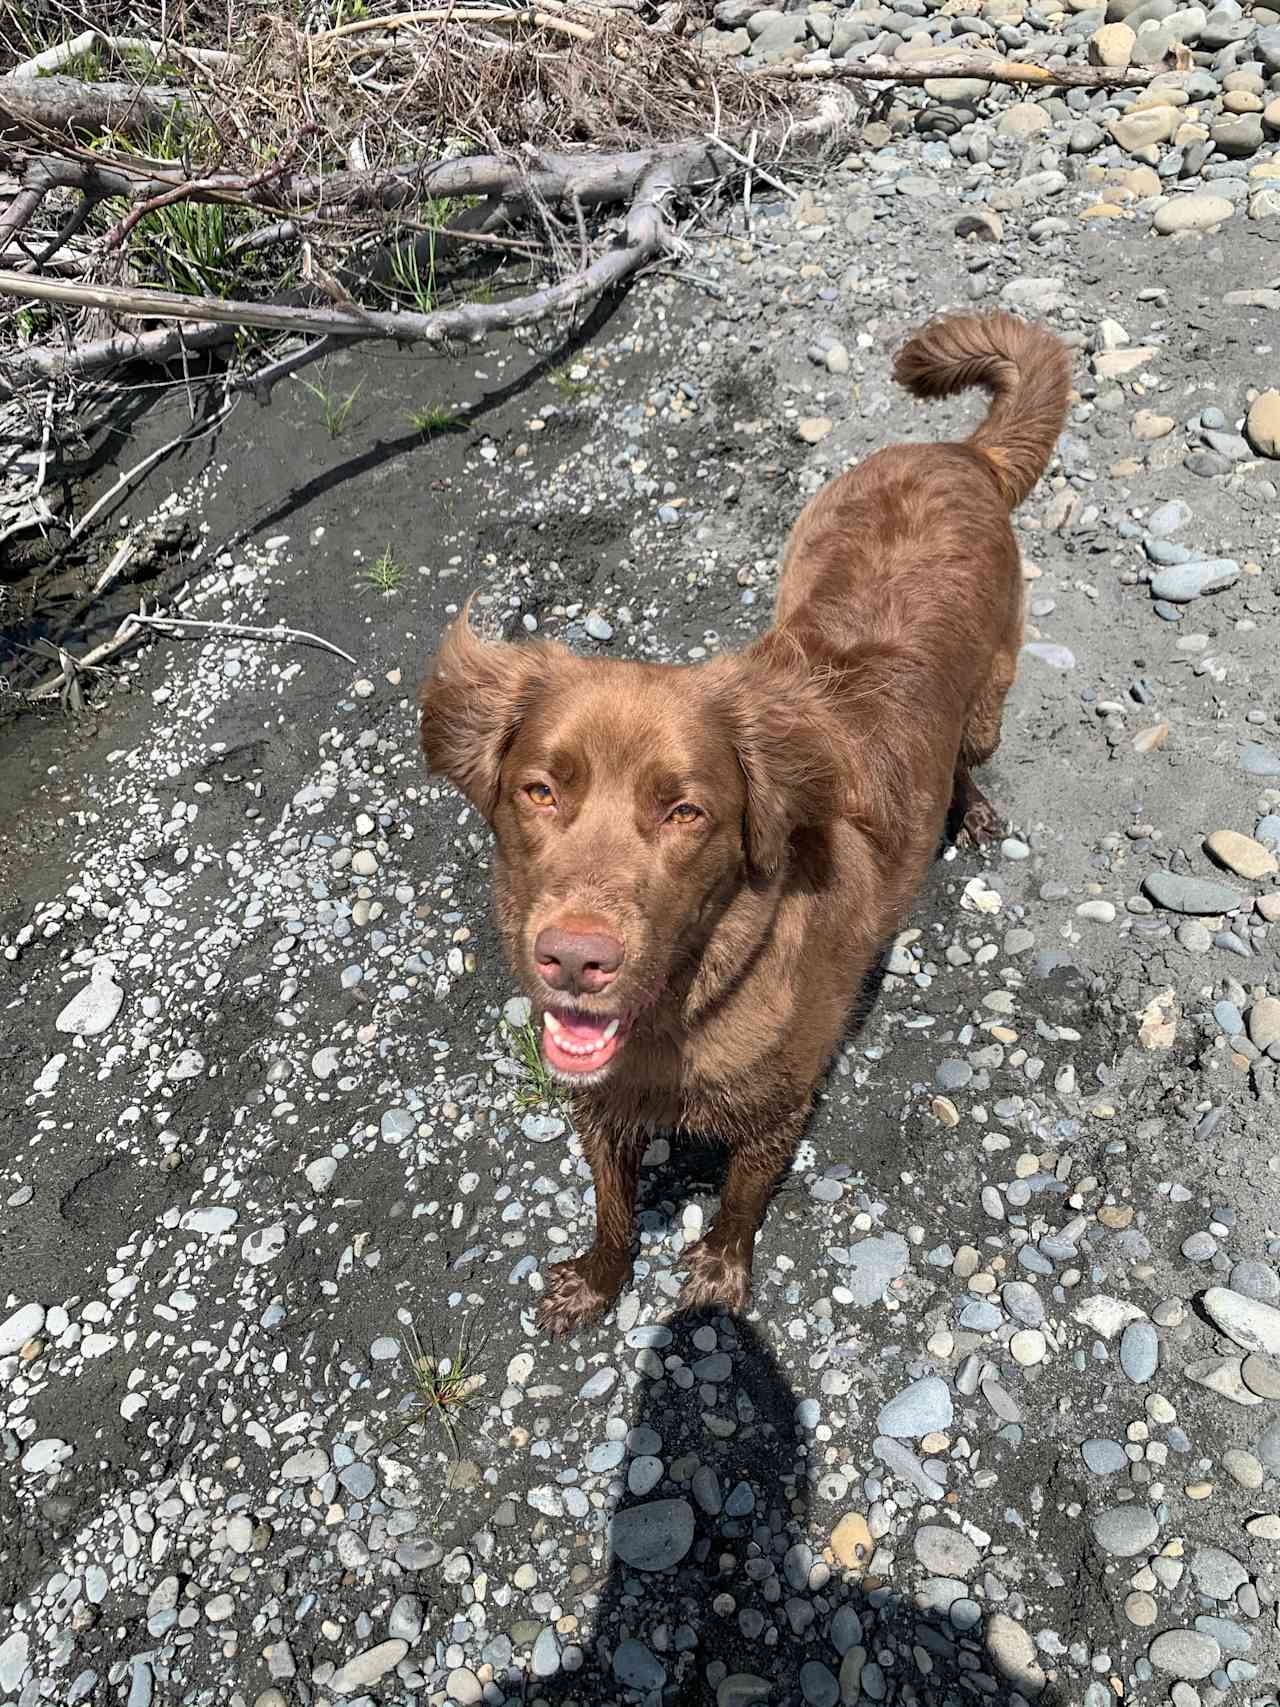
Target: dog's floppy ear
x=473 y=702
x=782 y=733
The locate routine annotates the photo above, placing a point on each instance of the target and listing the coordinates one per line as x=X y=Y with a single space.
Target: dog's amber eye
x=540 y=794
x=685 y=813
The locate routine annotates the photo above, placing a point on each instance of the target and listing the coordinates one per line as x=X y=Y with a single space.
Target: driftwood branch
x=877 y=69
x=645 y=237
x=54 y=58
x=66 y=107
x=504 y=16
x=643 y=179
x=140 y=624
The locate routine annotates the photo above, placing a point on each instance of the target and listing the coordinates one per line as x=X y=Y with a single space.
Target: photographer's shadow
x=721 y=1590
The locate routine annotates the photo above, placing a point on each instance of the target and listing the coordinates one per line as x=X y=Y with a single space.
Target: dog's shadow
x=729 y=1590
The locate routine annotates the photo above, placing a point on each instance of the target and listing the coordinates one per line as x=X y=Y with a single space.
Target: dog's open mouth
x=575 y=1042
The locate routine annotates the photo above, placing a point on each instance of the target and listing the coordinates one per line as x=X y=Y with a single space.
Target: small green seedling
x=538 y=1089
x=569 y=388
x=335 y=409
x=438 y=418
x=384 y=575
x=447 y=1386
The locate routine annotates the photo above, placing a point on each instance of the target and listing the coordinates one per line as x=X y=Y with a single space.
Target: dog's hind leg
x=974 y=817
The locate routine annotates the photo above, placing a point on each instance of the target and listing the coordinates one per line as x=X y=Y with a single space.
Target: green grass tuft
x=438 y=418
x=447 y=1386
x=538 y=1088
x=570 y=389
x=334 y=408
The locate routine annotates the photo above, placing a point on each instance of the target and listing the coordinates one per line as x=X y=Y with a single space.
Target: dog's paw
x=577 y=1293
x=717 y=1279
x=980 y=824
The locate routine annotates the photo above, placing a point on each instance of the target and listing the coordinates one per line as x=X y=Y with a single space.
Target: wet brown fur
x=827 y=757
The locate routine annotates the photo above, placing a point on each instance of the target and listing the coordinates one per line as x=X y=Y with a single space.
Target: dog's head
x=630 y=803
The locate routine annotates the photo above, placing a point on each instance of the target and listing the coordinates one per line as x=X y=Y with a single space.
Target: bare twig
x=877 y=69
x=131 y=474
x=69 y=228
x=746 y=183
x=262 y=383
x=141 y=622
x=752 y=166
x=503 y=16
x=241 y=631
x=120 y=559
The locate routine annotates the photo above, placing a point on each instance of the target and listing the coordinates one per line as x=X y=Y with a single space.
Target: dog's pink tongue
x=583 y=1028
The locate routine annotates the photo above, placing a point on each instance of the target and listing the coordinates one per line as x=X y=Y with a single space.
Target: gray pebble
x=1125 y=1530
x=1185 y=1653
x=652 y=1537
x=1139 y=1352
x=922 y=1408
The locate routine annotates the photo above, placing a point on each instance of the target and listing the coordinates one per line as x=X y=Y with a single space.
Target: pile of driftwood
x=353 y=163
x=338 y=172
x=273 y=191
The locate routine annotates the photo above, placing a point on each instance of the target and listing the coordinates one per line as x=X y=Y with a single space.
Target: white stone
x=1254 y=1326
x=24 y=1324
x=1106 y=1315
x=93 y=1008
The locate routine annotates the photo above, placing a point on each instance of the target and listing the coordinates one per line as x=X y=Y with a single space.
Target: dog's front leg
x=583 y=1289
x=719 y=1264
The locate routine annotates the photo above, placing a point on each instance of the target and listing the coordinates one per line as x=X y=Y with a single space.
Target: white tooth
x=552 y=1023
x=611 y=1030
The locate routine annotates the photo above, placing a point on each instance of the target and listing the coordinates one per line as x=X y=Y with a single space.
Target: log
x=468 y=322
x=643 y=179
x=32 y=106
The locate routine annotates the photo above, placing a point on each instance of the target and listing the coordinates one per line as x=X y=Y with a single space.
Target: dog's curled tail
x=1027 y=372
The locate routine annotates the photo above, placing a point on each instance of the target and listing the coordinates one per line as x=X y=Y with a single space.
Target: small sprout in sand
x=334 y=408
x=439 y=418
x=384 y=575
x=414 y=281
x=570 y=389
x=448 y=1386
x=538 y=1088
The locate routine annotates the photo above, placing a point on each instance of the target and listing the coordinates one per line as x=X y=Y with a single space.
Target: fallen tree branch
x=878 y=69
x=164 y=345
x=39 y=105
x=54 y=58
x=141 y=622
x=647 y=177
x=505 y=16
x=595 y=179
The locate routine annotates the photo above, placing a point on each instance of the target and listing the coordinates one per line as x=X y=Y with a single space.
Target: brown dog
x=698 y=865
